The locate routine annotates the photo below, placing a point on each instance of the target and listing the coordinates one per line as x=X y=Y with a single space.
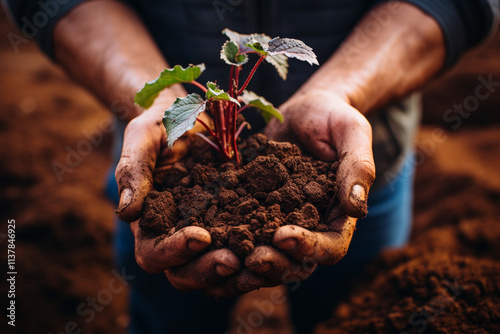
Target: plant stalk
x=247 y=81
x=199 y=85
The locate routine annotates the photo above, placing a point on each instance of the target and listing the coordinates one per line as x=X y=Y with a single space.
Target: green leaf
x=292 y=48
x=181 y=116
x=230 y=54
x=267 y=109
x=170 y=76
x=258 y=43
x=255 y=45
x=240 y=40
x=214 y=92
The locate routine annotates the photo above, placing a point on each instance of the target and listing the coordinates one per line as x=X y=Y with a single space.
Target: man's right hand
x=144 y=151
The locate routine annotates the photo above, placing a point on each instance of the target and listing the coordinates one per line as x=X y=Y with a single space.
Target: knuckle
x=123 y=166
x=368 y=165
x=136 y=123
x=144 y=264
x=141 y=126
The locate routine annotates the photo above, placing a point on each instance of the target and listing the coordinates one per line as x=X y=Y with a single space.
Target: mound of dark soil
x=447 y=280
x=242 y=208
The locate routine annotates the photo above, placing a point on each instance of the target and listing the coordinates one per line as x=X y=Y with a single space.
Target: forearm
x=397 y=58
x=104 y=46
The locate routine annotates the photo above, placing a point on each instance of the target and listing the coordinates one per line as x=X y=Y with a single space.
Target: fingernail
x=125 y=199
x=357 y=197
x=197 y=245
x=223 y=270
x=287 y=244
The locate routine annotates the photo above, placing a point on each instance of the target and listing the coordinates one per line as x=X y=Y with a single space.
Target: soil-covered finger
x=201 y=272
x=356 y=171
x=134 y=173
x=275 y=266
x=313 y=247
x=158 y=254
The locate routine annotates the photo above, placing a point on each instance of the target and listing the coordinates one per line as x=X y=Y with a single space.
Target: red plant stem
x=199 y=85
x=228 y=107
x=241 y=128
x=220 y=125
x=206 y=127
x=234 y=114
x=231 y=78
x=251 y=74
x=235 y=148
x=208 y=141
x=222 y=117
x=242 y=108
x=217 y=134
x=212 y=107
x=236 y=80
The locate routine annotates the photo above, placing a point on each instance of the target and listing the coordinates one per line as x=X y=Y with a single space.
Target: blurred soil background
x=446 y=281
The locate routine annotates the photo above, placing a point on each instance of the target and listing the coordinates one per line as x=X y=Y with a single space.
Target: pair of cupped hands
x=324 y=124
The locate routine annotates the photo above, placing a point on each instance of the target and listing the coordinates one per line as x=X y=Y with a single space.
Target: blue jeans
x=156 y=307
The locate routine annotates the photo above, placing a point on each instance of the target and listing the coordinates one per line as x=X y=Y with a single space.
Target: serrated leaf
x=213 y=92
x=279 y=61
x=230 y=54
x=181 y=116
x=266 y=107
x=292 y=48
x=170 y=76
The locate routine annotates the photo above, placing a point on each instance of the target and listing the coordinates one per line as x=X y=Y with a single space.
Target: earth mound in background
x=447 y=280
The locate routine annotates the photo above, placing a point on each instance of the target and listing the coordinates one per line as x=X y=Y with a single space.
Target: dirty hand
x=330 y=129
x=144 y=151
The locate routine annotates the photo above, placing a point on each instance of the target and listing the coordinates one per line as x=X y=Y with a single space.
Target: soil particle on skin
x=242 y=208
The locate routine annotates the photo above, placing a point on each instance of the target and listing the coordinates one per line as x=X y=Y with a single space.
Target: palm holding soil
x=297 y=251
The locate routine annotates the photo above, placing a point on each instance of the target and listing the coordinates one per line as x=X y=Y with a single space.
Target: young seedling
x=224 y=106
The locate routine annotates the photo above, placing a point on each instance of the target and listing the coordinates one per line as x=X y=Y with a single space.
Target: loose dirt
x=242 y=208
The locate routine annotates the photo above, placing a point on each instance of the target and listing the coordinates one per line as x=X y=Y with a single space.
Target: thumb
x=134 y=173
x=355 y=176
x=356 y=171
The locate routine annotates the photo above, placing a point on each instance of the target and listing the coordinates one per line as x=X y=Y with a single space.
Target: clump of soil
x=242 y=208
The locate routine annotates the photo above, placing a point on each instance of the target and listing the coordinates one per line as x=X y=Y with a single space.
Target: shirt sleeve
x=36 y=19
x=464 y=23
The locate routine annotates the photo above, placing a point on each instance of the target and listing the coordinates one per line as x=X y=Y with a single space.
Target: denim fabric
x=156 y=307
